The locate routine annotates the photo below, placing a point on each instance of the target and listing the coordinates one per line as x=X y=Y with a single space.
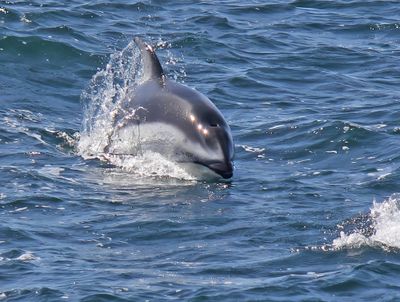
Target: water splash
x=104 y=99
x=384 y=219
x=105 y=134
x=148 y=164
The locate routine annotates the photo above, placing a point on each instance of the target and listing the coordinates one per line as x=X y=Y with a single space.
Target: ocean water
x=310 y=89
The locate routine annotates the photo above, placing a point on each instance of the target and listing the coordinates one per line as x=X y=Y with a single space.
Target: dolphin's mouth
x=223 y=169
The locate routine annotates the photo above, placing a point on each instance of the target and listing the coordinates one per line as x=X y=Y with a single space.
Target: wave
x=381 y=228
x=35 y=47
x=31 y=294
x=377 y=229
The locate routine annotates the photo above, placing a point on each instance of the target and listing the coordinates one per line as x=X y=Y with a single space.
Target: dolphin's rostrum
x=177 y=121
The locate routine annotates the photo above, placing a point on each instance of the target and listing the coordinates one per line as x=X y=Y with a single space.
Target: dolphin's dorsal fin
x=152 y=69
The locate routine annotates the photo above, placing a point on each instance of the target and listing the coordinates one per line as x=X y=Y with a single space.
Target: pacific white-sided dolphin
x=177 y=121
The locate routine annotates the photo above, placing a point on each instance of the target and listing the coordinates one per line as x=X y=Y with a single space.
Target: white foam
x=252 y=149
x=149 y=164
x=27 y=256
x=385 y=222
x=25 y=19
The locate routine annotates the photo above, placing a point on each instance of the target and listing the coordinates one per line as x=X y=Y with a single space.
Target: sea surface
x=310 y=89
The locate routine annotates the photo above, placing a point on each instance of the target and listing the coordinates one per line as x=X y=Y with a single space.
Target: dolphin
x=177 y=121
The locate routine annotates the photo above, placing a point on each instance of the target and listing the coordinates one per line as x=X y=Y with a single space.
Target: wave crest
x=385 y=228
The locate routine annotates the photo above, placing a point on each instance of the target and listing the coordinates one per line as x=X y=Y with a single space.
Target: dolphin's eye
x=214 y=125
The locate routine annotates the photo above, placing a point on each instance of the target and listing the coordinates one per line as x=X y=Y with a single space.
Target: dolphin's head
x=213 y=147
x=218 y=138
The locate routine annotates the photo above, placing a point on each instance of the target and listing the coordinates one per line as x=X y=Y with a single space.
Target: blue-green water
x=311 y=91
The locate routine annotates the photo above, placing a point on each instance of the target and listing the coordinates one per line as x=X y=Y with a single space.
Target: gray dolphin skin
x=180 y=122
